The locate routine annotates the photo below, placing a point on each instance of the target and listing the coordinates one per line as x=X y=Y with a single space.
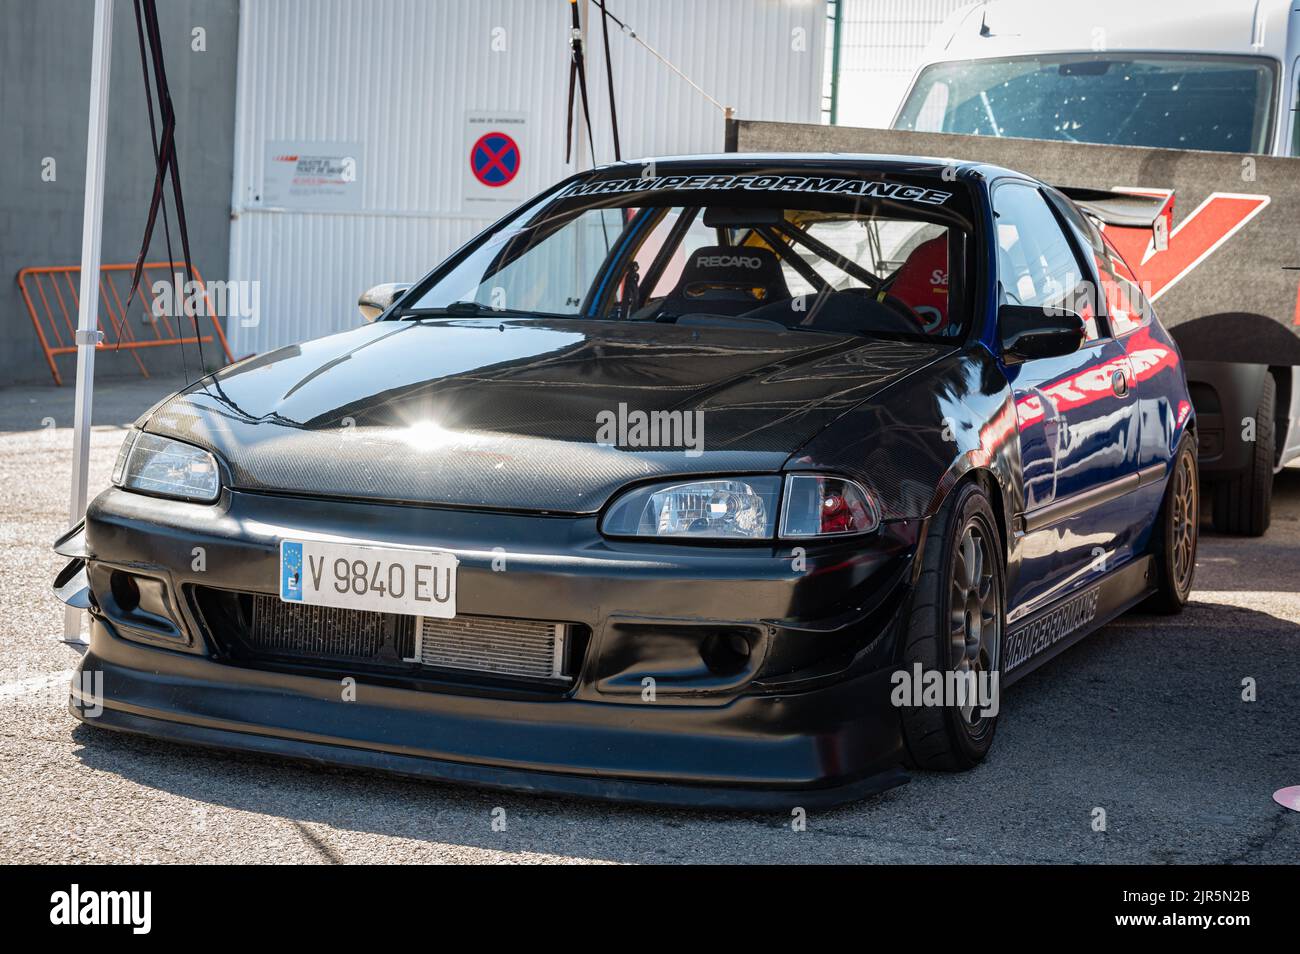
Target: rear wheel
x=956 y=625
x=1176 y=534
x=1243 y=504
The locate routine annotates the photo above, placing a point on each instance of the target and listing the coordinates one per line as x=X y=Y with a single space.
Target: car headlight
x=159 y=465
x=744 y=508
x=735 y=508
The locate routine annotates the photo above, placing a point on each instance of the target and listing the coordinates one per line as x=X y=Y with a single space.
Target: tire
x=944 y=737
x=1243 y=504
x=1175 y=535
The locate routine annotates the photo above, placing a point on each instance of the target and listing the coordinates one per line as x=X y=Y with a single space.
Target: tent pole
x=88 y=334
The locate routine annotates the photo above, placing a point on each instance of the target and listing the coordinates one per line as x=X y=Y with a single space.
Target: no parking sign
x=494 y=160
x=495 y=147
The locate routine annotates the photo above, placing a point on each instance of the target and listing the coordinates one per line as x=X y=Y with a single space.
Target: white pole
x=88 y=334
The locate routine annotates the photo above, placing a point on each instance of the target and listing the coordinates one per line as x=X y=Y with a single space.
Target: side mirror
x=1030 y=331
x=377 y=300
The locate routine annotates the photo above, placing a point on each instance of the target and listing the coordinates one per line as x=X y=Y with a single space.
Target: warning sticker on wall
x=318 y=176
x=494 y=153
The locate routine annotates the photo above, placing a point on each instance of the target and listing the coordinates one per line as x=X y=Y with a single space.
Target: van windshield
x=1218 y=103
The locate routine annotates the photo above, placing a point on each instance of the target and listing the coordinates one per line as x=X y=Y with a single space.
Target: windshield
x=1219 y=103
x=844 y=253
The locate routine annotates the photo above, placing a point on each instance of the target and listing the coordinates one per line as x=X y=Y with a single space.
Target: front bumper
x=813 y=749
x=808 y=722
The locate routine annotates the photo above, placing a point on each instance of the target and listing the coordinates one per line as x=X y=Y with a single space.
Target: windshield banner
x=760 y=183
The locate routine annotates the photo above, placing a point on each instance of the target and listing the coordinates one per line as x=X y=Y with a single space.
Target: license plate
x=382 y=579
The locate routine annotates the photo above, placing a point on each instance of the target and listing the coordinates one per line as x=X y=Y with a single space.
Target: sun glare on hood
x=428 y=436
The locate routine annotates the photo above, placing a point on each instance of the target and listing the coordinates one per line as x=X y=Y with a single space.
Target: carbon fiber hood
x=504 y=415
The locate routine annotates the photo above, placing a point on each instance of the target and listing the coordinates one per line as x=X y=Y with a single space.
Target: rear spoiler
x=1128 y=209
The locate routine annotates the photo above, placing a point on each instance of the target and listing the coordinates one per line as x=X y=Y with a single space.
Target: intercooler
x=509 y=647
x=489 y=645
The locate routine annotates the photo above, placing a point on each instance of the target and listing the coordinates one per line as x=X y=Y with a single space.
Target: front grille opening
x=511 y=647
x=260 y=630
x=324 y=632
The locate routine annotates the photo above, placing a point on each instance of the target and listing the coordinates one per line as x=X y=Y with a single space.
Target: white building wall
x=396 y=78
x=881 y=42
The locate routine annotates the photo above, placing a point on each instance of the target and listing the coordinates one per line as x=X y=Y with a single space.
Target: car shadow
x=315 y=799
x=1147 y=701
x=1267 y=564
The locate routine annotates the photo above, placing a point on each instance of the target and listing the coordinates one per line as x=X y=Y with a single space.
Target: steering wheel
x=892 y=302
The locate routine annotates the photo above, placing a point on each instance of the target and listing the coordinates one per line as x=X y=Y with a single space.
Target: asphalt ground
x=1145 y=720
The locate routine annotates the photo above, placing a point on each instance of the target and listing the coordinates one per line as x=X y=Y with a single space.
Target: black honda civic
x=742 y=481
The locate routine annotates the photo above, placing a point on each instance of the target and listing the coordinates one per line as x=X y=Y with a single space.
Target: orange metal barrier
x=57 y=288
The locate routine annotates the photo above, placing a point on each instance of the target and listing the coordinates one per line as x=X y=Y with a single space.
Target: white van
x=1187 y=75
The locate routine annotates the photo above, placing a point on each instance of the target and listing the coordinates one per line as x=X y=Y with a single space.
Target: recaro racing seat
x=725 y=280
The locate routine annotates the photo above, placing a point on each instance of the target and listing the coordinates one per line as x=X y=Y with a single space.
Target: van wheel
x=1175 y=535
x=1243 y=504
x=956 y=624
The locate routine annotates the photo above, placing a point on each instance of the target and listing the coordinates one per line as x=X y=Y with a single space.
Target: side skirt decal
x=1045 y=632
x=1050 y=632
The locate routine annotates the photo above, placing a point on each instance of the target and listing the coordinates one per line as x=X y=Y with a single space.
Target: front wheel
x=956 y=626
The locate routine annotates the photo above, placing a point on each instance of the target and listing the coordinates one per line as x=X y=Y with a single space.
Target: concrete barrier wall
x=1228 y=285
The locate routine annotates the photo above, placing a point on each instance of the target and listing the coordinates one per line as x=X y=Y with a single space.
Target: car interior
x=796 y=270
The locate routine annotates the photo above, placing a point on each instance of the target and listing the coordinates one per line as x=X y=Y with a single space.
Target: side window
x=1036 y=263
x=1084 y=229
x=1126 y=306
